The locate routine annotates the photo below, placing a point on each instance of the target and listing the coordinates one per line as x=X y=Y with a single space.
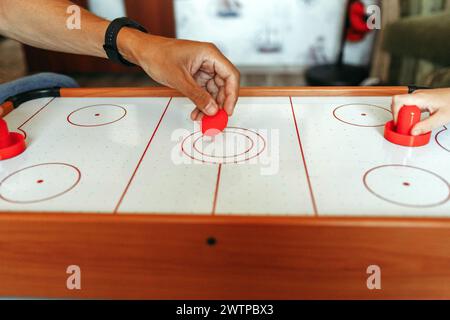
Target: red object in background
x=408 y=117
x=213 y=125
x=357 y=22
x=11 y=143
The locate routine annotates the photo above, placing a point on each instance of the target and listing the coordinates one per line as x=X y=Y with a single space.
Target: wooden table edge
x=244 y=91
x=242 y=219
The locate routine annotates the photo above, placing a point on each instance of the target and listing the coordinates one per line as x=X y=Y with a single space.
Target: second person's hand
x=435 y=101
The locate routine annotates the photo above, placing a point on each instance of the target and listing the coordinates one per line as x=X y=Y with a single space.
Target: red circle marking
x=40 y=181
x=96 y=125
x=400 y=203
x=224 y=157
x=360 y=104
x=212 y=162
x=44 y=199
x=436 y=138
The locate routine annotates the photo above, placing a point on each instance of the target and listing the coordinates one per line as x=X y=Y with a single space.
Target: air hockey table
x=299 y=198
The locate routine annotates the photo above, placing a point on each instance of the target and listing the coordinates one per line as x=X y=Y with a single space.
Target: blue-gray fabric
x=34 y=82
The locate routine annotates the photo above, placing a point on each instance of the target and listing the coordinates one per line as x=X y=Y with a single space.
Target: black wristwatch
x=112 y=32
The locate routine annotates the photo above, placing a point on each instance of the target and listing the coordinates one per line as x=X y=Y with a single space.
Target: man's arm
x=42 y=24
x=196 y=69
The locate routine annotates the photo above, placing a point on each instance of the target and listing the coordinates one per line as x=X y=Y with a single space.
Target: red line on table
x=216 y=192
x=311 y=192
x=32 y=116
x=141 y=159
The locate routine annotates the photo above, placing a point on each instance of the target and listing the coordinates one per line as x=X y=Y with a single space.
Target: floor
x=13 y=66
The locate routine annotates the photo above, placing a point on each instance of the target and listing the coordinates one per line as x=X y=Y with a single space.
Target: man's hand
x=436 y=102
x=196 y=69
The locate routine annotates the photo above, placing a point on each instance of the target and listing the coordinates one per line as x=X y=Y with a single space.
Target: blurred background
x=274 y=42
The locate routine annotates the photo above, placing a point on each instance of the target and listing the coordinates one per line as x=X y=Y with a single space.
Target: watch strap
x=111 y=35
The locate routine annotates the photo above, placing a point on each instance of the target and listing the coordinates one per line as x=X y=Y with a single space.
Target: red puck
x=213 y=125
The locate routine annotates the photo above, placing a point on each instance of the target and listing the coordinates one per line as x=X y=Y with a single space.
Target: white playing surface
x=322 y=156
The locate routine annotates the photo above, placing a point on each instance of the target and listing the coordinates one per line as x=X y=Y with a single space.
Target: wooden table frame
x=223 y=257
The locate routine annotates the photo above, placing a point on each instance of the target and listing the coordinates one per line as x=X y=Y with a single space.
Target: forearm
x=198 y=70
x=43 y=24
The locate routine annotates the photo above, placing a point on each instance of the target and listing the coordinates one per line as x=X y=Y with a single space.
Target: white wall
x=109 y=9
x=308 y=31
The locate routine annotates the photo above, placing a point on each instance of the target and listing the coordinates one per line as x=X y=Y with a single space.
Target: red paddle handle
x=408 y=117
